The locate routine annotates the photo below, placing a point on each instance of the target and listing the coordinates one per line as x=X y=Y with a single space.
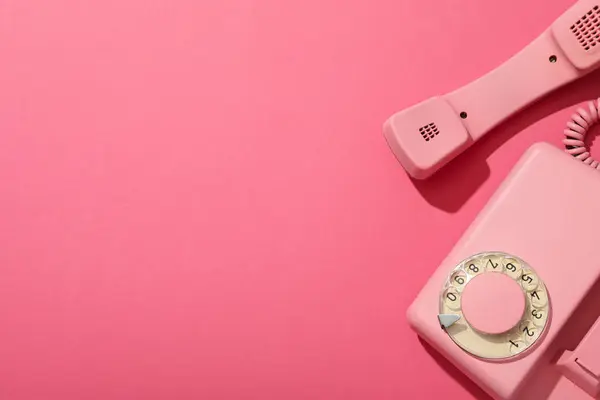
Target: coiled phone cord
x=577 y=128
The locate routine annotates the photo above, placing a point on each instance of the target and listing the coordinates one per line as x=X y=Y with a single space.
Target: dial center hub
x=493 y=303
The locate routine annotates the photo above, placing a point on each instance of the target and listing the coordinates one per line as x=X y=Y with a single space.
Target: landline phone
x=516 y=304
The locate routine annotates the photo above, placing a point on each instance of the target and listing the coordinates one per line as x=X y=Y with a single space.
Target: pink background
x=196 y=200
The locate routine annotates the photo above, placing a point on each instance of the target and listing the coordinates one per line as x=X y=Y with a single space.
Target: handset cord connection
x=579 y=125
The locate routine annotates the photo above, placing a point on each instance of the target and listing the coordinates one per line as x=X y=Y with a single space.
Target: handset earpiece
x=428 y=135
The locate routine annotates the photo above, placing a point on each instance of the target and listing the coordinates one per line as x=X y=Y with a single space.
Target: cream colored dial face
x=527 y=328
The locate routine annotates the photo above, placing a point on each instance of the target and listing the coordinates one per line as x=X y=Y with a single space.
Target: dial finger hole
x=516 y=346
x=538 y=297
x=512 y=268
x=493 y=263
x=529 y=280
x=459 y=279
x=528 y=331
x=538 y=317
x=452 y=298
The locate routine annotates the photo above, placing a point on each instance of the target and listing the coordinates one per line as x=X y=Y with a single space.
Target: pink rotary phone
x=516 y=304
x=428 y=135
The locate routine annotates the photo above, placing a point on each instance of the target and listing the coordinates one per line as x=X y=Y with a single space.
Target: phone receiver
x=428 y=135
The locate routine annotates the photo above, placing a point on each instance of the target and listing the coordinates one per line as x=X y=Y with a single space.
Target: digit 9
x=458 y=279
x=512 y=268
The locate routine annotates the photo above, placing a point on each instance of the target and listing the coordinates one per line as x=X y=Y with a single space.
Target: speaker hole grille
x=587 y=29
x=429 y=131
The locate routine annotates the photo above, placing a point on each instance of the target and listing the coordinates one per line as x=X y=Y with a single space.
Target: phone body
x=546 y=214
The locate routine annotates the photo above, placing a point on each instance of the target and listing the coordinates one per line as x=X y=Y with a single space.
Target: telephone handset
x=507 y=304
x=428 y=135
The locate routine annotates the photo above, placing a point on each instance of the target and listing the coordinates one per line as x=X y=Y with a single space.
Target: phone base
x=545 y=213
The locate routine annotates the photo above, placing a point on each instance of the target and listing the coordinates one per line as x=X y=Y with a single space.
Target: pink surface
x=493 y=303
x=197 y=200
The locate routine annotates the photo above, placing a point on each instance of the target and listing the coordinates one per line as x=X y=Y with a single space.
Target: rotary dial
x=494 y=306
